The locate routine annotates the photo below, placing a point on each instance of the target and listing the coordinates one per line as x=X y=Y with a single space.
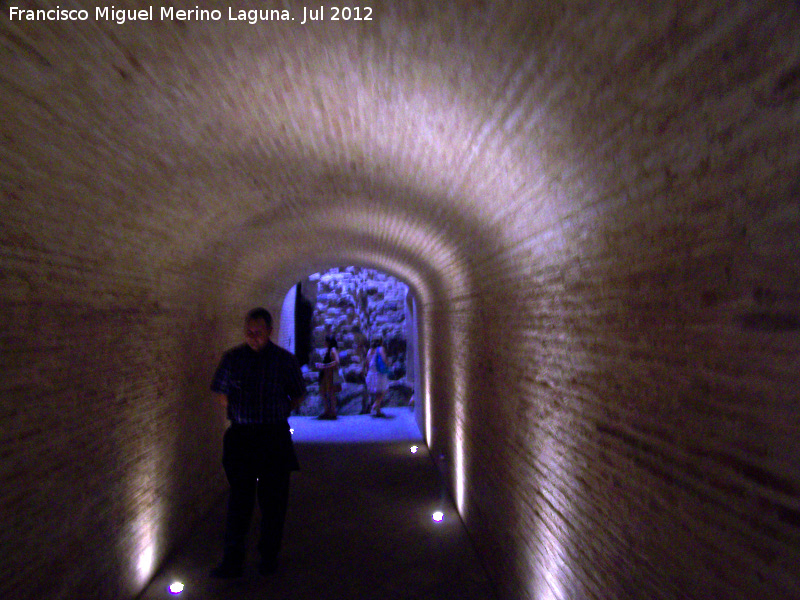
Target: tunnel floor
x=359 y=525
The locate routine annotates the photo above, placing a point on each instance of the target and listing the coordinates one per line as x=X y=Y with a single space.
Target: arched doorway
x=354 y=304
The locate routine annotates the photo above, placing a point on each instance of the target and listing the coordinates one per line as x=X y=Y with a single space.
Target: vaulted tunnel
x=596 y=205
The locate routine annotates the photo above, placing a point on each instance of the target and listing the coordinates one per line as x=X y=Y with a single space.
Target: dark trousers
x=255 y=462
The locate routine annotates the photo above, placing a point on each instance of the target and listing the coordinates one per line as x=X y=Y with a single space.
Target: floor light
x=176 y=588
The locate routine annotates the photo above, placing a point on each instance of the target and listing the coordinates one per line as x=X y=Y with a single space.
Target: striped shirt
x=260 y=386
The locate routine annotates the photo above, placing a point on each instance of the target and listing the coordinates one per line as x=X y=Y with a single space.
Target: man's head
x=257 y=328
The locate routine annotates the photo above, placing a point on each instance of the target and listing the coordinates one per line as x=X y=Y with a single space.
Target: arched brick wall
x=601 y=198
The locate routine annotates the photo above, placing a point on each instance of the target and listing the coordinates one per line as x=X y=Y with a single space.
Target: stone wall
x=356 y=305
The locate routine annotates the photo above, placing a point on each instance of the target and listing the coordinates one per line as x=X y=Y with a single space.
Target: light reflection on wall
x=458 y=337
x=554 y=511
x=427 y=368
x=145 y=565
x=143 y=533
x=459 y=456
x=145 y=552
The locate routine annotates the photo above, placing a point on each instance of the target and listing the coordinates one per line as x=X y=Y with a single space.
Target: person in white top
x=377 y=375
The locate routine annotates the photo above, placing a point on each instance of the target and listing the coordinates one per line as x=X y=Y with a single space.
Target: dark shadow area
x=303 y=312
x=764 y=321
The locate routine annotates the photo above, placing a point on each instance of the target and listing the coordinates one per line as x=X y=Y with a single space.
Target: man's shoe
x=268 y=567
x=226 y=570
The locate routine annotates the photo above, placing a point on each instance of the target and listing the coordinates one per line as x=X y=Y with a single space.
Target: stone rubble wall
x=355 y=305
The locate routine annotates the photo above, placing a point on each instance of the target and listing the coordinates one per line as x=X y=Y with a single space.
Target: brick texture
x=596 y=207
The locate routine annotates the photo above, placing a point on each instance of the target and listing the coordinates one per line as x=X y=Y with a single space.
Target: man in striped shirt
x=259 y=384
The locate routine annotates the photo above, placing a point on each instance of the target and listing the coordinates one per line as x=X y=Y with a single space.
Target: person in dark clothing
x=259 y=384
